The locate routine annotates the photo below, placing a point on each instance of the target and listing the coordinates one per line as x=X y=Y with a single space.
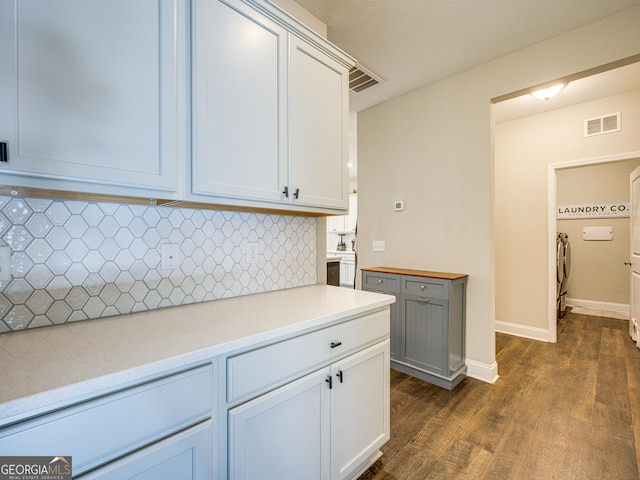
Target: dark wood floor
x=569 y=410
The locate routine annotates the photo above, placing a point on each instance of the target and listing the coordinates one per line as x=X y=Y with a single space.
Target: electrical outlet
x=170 y=256
x=252 y=252
x=5 y=264
x=378 y=246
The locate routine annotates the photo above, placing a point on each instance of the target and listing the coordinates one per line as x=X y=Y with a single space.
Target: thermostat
x=398 y=205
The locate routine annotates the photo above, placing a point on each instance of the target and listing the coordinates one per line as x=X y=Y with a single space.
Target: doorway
x=600 y=278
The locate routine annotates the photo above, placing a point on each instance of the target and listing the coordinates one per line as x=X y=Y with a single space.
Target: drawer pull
x=329 y=380
x=335 y=344
x=339 y=375
x=423 y=300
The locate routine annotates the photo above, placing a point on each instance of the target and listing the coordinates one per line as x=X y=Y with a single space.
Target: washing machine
x=563 y=270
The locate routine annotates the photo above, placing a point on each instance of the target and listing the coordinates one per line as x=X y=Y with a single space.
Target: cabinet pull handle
x=423 y=300
x=285 y=192
x=296 y=193
x=339 y=375
x=4 y=155
x=329 y=381
x=335 y=344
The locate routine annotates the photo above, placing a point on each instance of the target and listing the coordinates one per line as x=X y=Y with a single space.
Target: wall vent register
x=603 y=124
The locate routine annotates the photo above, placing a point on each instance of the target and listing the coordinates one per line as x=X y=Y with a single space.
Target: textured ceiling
x=411 y=43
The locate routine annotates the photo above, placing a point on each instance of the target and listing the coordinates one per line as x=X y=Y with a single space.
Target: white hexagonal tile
x=93 y=215
x=152 y=238
x=58 y=213
x=151 y=216
x=5 y=224
x=108 y=226
x=58 y=238
x=138 y=269
x=165 y=287
x=76 y=298
x=124 y=282
x=125 y=303
x=93 y=238
x=17 y=211
x=93 y=284
x=39 y=250
x=58 y=263
x=76 y=250
x=139 y=290
x=123 y=216
x=59 y=287
x=76 y=274
x=17 y=237
x=94 y=307
x=76 y=207
x=39 y=302
x=152 y=299
x=59 y=312
x=109 y=272
x=38 y=204
x=18 y=317
x=110 y=294
x=109 y=208
x=164 y=228
x=76 y=226
x=39 y=276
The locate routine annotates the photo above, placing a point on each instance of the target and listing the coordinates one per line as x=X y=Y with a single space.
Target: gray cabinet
x=427 y=322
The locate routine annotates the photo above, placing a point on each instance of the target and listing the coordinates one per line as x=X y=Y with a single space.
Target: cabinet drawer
x=380 y=282
x=254 y=372
x=426 y=287
x=99 y=430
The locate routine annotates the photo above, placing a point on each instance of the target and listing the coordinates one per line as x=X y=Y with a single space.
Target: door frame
x=551 y=227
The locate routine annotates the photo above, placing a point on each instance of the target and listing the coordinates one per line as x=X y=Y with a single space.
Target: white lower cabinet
x=148 y=431
x=186 y=456
x=327 y=425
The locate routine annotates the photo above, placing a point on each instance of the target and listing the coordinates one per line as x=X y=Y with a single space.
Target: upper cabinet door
x=91 y=94
x=239 y=102
x=319 y=128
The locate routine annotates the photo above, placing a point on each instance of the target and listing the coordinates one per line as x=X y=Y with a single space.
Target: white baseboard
x=602 y=309
x=482 y=371
x=534 y=333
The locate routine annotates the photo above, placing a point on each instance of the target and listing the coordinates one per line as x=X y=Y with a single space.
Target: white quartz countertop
x=51 y=366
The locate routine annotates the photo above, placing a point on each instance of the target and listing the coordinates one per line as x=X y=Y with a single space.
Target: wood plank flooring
x=569 y=410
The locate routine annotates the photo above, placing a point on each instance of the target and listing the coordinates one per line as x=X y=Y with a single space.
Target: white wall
x=433 y=149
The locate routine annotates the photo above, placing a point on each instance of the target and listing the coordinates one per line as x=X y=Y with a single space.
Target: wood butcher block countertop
x=416 y=273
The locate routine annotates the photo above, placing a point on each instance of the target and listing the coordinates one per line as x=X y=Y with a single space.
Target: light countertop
x=50 y=366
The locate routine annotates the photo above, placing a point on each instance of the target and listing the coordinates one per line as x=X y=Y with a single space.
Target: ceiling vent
x=604 y=124
x=361 y=79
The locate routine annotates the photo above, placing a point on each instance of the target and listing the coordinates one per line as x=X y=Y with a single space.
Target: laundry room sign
x=593 y=210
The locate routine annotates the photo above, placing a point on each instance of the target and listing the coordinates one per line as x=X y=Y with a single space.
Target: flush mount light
x=547 y=93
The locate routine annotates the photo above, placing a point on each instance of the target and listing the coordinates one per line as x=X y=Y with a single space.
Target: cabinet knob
x=422 y=287
x=379 y=282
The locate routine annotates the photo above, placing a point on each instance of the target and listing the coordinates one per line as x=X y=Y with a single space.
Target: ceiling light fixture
x=547 y=93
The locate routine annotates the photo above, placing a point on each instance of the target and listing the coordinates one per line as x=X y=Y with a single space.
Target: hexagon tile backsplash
x=73 y=260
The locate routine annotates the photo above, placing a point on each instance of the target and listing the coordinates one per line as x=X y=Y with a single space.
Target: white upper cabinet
x=270 y=110
x=239 y=102
x=92 y=95
x=319 y=128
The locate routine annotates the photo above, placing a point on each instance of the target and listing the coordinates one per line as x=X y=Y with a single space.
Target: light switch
x=378 y=246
